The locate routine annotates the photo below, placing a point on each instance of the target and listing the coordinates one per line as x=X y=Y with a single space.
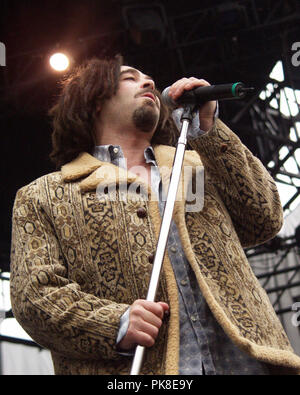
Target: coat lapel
x=94 y=172
x=81 y=166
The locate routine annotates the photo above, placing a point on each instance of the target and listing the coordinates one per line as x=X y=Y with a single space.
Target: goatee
x=145 y=118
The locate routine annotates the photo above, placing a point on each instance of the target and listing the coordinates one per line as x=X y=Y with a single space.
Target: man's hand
x=145 y=319
x=207 y=111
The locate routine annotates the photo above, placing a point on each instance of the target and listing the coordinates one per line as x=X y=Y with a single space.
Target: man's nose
x=148 y=84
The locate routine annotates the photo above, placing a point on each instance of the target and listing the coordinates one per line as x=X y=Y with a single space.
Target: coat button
x=223 y=148
x=151 y=258
x=141 y=212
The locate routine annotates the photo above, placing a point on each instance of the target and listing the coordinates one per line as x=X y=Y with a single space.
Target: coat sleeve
x=53 y=310
x=242 y=182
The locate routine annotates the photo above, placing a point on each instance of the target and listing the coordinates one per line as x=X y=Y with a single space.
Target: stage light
x=59 y=62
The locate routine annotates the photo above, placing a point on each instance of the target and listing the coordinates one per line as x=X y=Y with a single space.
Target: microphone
x=202 y=94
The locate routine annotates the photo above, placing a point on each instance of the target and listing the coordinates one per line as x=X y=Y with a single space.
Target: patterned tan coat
x=79 y=259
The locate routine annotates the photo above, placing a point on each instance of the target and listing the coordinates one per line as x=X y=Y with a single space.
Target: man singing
x=84 y=239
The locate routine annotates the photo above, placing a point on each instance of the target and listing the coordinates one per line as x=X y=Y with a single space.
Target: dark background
x=220 y=41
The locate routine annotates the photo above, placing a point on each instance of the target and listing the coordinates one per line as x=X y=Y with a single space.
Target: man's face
x=135 y=102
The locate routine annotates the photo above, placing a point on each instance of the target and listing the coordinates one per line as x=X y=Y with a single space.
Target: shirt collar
x=114 y=154
x=107 y=153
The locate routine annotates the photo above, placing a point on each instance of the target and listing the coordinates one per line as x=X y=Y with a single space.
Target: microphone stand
x=186 y=119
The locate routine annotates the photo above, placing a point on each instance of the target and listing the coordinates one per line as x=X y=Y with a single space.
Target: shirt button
x=173 y=249
x=141 y=212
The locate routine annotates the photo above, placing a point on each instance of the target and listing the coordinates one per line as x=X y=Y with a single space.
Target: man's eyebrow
x=134 y=71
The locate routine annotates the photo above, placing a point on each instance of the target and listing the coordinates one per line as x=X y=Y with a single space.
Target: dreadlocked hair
x=75 y=113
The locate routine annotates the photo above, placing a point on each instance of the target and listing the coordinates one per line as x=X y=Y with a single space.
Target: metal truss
x=277 y=267
x=270 y=265
x=274 y=135
x=226 y=38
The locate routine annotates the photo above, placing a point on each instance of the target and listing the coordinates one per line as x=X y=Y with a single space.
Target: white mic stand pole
x=165 y=226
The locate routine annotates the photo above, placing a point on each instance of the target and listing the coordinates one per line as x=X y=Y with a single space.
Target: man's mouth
x=150 y=95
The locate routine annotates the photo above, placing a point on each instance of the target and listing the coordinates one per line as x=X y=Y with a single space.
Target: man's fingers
x=145 y=320
x=144 y=339
x=143 y=332
x=164 y=305
x=147 y=328
x=183 y=84
x=144 y=307
x=140 y=314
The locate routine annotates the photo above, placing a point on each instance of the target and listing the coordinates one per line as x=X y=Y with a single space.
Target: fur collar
x=93 y=172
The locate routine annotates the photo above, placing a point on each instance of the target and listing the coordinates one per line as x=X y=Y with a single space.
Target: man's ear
x=97 y=109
